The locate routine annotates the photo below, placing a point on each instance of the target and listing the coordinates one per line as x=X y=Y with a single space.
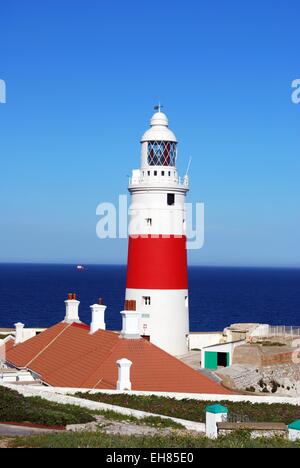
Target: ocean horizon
x=34 y=294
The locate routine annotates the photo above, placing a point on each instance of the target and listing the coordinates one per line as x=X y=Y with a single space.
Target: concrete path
x=14 y=431
x=192 y=359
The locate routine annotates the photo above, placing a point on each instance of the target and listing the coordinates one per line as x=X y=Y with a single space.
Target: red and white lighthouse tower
x=157 y=276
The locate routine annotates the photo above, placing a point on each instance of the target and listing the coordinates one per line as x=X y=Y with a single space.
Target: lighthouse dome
x=159 y=118
x=159 y=129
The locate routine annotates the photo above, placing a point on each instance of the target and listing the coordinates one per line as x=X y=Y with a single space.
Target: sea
x=34 y=294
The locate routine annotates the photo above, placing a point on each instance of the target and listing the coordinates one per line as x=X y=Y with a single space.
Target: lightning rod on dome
x=158 y=107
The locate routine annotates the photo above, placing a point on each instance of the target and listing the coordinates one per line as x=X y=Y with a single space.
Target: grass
x=16 y=408
x=195 y=410
x=174 y=440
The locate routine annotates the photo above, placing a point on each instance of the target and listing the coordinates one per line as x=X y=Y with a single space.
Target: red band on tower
x=157 y=263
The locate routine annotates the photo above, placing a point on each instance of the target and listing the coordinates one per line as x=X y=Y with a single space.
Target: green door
x=210 y=360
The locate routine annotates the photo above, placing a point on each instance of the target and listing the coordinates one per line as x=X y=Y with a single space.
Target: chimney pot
x=19 y=333
x=124 y=382
x=131 y=324
x=98 y=314
x=72 y=306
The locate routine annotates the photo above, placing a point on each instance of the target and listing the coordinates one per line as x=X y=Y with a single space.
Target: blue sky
x=82 y=78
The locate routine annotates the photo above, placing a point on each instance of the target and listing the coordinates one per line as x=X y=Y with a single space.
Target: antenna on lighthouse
x=188 y=166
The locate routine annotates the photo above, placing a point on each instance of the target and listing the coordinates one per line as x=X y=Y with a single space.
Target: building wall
x=201 y=340
x=157 y=320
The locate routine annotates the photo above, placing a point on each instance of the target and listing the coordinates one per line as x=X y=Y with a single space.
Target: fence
x=283 y=331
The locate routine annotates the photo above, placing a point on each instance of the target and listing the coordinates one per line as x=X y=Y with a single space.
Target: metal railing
x=158 y=180
x=279 y=331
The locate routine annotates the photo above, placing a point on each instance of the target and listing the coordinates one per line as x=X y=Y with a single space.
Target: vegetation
x=194 y=410
x=16 y=408
x=174 y=440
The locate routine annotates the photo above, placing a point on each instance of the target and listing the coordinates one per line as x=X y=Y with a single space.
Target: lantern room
x=159 y=144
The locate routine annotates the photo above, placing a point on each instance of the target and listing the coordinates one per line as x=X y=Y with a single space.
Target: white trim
x=178 y=396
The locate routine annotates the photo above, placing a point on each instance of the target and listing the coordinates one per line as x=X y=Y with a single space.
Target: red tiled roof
x=67 y=355
x=6 y=344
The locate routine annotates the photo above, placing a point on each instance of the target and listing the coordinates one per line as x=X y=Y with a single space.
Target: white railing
x=279 y=331
x=158 y=180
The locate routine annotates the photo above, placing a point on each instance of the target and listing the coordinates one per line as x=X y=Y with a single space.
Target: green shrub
x=194 y=410
x=16 y=408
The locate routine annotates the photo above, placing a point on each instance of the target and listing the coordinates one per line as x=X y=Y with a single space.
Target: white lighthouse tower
x=157 y=276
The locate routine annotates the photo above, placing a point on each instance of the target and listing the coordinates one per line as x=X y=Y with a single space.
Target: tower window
x=147 y=300
x=162 y=153
x=149 y=222
x=171 y=199
x=155 y=173
x=163 y=173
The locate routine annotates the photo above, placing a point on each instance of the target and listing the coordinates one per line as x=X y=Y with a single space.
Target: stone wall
x=255 y=429
x=283 y=380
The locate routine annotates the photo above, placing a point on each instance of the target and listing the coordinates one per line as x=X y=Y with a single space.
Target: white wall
x=270 y=399
x=201 y=340
x=168 y=321
x=152 y=203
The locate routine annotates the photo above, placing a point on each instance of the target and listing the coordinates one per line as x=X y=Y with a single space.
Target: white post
x=19 y=333
x=294 y=430
x=72 y=306
x=98 y=321
x=214 y=414
x=124 y=382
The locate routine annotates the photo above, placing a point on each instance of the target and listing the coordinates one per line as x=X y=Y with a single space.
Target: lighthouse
x=157 y=278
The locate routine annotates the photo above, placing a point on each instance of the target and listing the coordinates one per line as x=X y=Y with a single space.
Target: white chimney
x=98 y=321
x=124 y=382
x=131 y=327
x=19 y=333
x=72 y=306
